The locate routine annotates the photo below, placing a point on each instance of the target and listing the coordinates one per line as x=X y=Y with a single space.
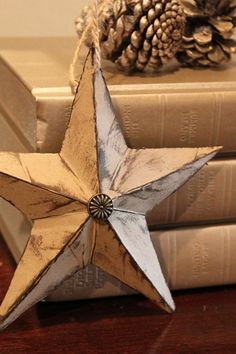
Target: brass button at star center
x=100 y=206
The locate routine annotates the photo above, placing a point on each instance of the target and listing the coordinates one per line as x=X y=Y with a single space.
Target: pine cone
x=209 y=27
x=139 y=34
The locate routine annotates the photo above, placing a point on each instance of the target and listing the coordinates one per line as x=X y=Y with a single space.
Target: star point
x=95 y=176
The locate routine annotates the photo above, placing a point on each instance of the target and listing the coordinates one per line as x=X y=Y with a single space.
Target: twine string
x=95 y=33
x=92 y=27
x=73 y=81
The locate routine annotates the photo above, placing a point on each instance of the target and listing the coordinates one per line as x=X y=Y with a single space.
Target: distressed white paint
x=133 y=233
x=41 y=268
x=110 y=141
x=143 y=199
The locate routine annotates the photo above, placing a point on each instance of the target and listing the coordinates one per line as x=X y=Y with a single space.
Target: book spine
x=18 y=105
x=189 y=257
x=151 y=120
x=9 y=140
x=184 y=119
x=13 y=225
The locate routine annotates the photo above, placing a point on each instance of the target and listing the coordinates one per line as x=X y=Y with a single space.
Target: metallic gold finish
x=100 y=207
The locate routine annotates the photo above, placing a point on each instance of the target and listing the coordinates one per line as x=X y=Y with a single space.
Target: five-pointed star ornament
x=88 y=202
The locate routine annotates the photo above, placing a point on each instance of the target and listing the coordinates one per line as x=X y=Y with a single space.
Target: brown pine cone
x=209 y=27
x=139 y=34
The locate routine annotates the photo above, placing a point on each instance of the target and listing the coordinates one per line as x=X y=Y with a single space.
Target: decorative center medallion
x=100 y=206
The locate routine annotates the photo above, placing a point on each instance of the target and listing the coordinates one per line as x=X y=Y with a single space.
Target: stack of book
x=194 y=230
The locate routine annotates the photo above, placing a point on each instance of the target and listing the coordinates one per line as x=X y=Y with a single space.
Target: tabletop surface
x=204 y=322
